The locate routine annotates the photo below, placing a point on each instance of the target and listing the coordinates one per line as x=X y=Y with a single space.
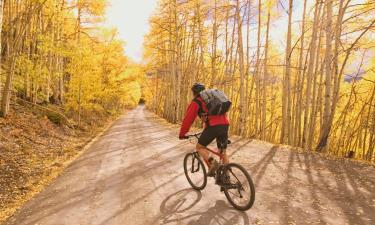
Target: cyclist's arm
x=190 y=115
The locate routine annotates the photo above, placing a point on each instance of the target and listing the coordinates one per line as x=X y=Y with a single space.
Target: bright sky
x=130 y=17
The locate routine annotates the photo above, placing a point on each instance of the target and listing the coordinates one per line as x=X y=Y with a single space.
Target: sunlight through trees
x=56 y=51
x=317 y=93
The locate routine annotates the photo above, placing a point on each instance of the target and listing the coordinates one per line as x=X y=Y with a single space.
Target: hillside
x=33 y=151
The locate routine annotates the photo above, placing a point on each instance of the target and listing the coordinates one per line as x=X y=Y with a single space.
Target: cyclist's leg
x=202 y=150
x=205 y=139
x=222 y=142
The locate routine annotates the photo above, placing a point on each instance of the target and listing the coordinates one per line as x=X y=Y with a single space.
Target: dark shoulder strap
x=200 y=111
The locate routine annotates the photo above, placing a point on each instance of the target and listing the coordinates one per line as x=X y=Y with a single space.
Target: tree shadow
x=48 y=204
x=259 y=169
x=101 y=148
x=221 y=214
x=314 y=184
x=238 y=146
x=349 y=187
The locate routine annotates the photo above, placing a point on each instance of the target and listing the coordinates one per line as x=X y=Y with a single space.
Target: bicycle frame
x=223 y=175
x=219 y=153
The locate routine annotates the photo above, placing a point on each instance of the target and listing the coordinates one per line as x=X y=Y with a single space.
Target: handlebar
x=197 y=135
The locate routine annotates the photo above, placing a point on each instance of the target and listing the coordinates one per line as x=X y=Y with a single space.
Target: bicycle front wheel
x=195 y=171
x=240 y=190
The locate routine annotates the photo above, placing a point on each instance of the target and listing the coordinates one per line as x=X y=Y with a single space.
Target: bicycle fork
x=193 y=170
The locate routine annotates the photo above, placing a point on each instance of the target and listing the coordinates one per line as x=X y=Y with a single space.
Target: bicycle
x=225 y=177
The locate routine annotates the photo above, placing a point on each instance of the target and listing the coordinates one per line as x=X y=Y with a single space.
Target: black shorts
x=220 y=133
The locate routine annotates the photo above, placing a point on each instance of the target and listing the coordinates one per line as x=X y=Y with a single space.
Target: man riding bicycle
x=215 y=127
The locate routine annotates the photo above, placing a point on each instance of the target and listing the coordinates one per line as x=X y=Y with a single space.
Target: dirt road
x=133 y=175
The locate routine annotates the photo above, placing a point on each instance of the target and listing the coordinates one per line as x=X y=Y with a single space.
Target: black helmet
x=198 y=87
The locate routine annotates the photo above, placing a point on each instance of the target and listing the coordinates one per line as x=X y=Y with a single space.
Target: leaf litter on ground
x=33 y=152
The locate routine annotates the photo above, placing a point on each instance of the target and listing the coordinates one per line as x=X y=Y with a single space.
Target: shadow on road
x=179 y=207
x=137 y=165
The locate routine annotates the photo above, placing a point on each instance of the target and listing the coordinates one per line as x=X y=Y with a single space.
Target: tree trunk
x=5 y=101
x=328 y=81
x=214 y=44
x=1 y=28
x=265 y=77
x=242 y=70
x=310 y=71
x=299 y=85
x=286 y=106
x=80 y=77
x=257 y=69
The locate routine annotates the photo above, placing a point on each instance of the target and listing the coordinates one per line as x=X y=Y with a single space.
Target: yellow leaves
x=101 y=80
x=94 y=7
x=132 y=94
x=270 y=4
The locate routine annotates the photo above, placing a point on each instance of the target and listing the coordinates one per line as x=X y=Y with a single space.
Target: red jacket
x=192 y=113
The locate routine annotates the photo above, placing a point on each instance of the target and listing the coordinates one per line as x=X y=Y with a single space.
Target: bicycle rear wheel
x=240 y=190
x=195 y=171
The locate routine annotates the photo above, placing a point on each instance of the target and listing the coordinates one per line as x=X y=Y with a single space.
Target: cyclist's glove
x=183 y=137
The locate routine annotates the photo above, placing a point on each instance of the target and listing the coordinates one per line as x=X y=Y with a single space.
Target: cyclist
x=215 y=127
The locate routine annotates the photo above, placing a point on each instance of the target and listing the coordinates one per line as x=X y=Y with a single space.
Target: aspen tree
x=1 y=28
x=265 y=78
x=242 y=70
x=309 y=74
x=286 y=105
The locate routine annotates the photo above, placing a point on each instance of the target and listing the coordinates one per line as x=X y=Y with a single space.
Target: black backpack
x=216 y=102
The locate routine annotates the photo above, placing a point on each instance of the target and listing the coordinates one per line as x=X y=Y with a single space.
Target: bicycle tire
x=201 y=167
x=251 y=186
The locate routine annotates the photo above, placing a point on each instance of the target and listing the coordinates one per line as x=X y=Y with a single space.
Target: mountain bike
x=232 y=178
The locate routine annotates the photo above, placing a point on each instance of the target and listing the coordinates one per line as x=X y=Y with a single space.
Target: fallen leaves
x=33 y=151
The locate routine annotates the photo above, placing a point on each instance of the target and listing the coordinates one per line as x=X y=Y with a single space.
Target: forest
x=57 y=52
x=299 y=73
x=312 y=86
x=93 y=92
x=64 y=77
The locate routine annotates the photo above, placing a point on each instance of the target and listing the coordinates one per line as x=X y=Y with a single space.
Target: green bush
x=55 y=118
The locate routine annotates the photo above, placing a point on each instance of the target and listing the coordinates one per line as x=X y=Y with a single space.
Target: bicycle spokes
x=195 y=171
x=238 y=183
x=240 y=190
